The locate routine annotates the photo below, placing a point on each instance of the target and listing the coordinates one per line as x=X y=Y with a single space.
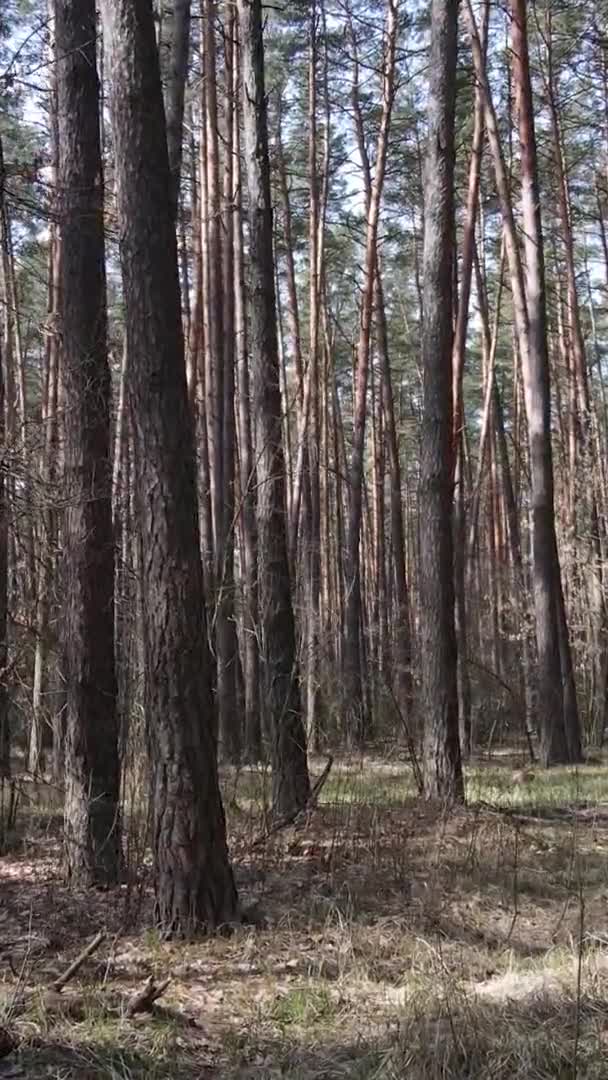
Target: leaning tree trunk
x=194 y=884
x=438 y=649
x=92 y=834
x=290 y=780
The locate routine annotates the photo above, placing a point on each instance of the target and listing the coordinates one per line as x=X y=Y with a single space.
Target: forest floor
x=398 y=942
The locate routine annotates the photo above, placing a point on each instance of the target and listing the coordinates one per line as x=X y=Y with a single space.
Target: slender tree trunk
x=5 y=735
x=560 y=732
x=458 y=363
x=291 y=785
x=177 y=76
x=228 y=658
x=247 y=469
x=353 y=664
x=403 y=649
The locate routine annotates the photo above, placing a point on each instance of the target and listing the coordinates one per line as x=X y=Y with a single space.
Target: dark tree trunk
x=442 y=762
x=194 y=884
x=92 y=834
x=291 y=785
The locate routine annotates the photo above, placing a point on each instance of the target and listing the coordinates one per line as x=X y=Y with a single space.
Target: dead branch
x=144 y=998
x=289 y=819
x=76 y=964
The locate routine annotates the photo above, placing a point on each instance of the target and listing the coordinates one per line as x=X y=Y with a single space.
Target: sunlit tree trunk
x=438 y=650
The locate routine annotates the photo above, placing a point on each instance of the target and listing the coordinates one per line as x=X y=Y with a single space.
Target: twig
x=319 y=784
x=289 y=819
x=411 y=746
x=76 y=964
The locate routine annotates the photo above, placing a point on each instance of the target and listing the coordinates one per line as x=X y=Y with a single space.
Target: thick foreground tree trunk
x=442 y=763
x=193 y=880
x=92 y=834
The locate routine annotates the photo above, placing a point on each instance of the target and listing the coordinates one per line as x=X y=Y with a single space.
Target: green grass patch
x=304 y=1007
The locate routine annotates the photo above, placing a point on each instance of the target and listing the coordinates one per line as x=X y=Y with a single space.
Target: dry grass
x=400 y=942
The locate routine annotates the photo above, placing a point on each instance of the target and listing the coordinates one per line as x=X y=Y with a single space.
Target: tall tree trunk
x=92 y=833
x=228 y=659
x=560 y=731
x=214 y=396
x=403 y=645
x=194 y=884
x=5 y=737
x=177 y=76
x=247 y=464
x=458 y=364
x=442 y=764
x=49 y=453
x=353 y=663
x=290 y=780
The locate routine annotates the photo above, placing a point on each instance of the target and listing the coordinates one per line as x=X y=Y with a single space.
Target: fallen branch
x=143 y=999
x=52 y=995
x=76 y=964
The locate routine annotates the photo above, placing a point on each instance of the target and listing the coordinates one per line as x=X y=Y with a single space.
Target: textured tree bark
x=438 y=649
x=290 y=780
x=194 y=884
x=5 y=738
x=247 y=465
x=560 y=730
x=92 y=820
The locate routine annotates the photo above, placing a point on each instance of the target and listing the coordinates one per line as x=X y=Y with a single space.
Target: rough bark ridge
x=193 y=879
x=438 y=651
x=291 y=784
x=92 y=771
